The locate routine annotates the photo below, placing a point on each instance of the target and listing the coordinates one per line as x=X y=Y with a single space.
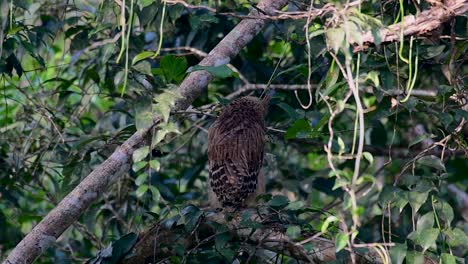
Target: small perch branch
x=159 y=242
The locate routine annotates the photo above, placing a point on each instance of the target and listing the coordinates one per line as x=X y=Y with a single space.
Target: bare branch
x=430 y=92
x=158 y=242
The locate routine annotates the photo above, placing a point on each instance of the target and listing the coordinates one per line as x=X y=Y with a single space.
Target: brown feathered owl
x=236 y=142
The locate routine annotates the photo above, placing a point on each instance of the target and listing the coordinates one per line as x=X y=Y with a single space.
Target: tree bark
x=425 y=22
x=44 y=234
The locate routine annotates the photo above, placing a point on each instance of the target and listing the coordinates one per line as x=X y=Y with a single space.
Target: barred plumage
x=235 y=151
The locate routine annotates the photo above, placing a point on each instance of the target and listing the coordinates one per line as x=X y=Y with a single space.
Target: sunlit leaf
x=155 y=164
x=330 y=219
x=336 y=38
x=140 y=154
x=142 y=178
x=141 y=56
x=448 y=259
x=142 y=190
x=341 y=240
x=374 y=77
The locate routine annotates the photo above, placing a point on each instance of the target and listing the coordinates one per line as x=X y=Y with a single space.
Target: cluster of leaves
x=65 y=108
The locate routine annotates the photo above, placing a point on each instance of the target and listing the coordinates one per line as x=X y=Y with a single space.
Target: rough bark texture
x=425 y=22
x=90 y=189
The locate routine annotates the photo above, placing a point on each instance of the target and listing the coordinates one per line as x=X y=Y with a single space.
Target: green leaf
x=143 y=67
x=365 y=178
x=172 y=68
x=315 y=33
x=419 y=139
x=425 y=238
x=139 y=165
x=398 y=253
x=164 y=102
x=426 y=221
x=200 y=21
x=141 y=179
x=368 y=156
x=341 y=144
x=401 y=200
x=223 y=101
x=394 y=196
x=374 y=77
x=288 y=109
x=279 y=201
x=340 y=182
x=222 y=239
x=335 y=38
x=432 y=161
x=155 y=164
x=141 y=56
x=417 y=199
x=296 y=205
x=144 y=120
x=341 y=240
x=300 y=126
x=414 y=257
x=120 y=248
x=448 y=259
x=317 y=161
x=191 y=220
x=327 y=222
x=353 y=32
x=444 y=212
x=140 y=154
x=456 y=237
x=141 y=190
x=164 y=110
x=222 y=71
x=145 y=3
x=164 y=130
x=331 y=78
x=433 y=51
x=293 y=231
x=155 y=193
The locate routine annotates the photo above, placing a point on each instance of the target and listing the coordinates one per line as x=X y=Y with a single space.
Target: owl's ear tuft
x=265 y=101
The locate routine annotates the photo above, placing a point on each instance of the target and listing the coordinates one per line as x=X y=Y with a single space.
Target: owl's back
x=235 y=151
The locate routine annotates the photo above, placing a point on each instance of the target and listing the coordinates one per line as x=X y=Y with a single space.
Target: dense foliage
x=75 y=84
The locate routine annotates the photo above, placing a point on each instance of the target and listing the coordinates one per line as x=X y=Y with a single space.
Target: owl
x=236 y=143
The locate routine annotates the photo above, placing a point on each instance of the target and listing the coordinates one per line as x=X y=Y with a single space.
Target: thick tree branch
x=44 y=234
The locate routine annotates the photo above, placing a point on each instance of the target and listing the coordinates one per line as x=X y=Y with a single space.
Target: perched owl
x=236 y=142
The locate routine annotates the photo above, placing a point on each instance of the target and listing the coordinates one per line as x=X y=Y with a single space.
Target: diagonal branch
x=44 y=234
x=426 y=21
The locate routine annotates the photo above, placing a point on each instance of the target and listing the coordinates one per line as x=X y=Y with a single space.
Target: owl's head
x=254 y=105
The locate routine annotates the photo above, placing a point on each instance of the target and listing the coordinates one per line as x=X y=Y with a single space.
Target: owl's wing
x=235 y=160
